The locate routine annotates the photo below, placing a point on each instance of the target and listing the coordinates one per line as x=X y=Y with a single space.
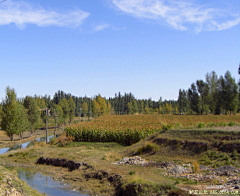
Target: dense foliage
x=217 y=95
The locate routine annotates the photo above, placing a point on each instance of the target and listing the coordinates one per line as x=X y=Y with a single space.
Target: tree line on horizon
x=215 y=95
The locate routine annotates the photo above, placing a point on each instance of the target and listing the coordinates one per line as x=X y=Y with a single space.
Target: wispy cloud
x=180 y=14
x=21 y=13
x=100 y=27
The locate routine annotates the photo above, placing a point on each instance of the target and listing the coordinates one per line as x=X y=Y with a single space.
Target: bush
x=195 y=167
x=131 y=172
x=231 y=123
x=64 y=139
x=201 y=125
x=148 y=148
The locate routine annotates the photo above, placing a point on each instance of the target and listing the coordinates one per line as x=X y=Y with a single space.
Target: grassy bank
x=179 y=141
x=102 y=155
x=11 y=185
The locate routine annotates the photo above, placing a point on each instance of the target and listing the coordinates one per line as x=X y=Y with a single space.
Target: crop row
x=125 y=137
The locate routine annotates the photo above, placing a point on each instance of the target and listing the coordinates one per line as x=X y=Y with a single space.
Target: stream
x=46 y=185
x=25 y=145
x=42 y=183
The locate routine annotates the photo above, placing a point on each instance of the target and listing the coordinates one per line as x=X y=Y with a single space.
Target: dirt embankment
x=9 y=184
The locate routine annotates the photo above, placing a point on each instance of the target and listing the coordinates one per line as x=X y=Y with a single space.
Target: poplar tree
x=213 y=96
x=14 y=120
x=57 y=113
x=108 y=108
x=193 y=98
x=203 y=90
x=102 y=103
x=65 y=107
x=130 y=109
x=95 y=108
x=85 y=108
x=33 y=112
x=72 y=106
x=229 y=93
x=135 y=106
x=22 y=123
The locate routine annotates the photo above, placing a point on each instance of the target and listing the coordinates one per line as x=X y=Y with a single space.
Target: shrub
x=64 y=139
x=166 y=127
x=131 y=172
x=201 y=125
x=148 y=148
x=195 y=167
x=231 y=123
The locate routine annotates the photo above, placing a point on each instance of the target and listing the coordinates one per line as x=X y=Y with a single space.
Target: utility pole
x=46 y=128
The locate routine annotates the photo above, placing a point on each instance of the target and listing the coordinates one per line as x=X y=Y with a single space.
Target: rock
x=178 y=170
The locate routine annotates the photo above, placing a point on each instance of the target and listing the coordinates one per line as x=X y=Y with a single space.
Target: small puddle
x=46 y=185
x=26 y=144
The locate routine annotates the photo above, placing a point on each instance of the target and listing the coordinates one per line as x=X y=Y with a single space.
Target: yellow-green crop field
x=128 y=129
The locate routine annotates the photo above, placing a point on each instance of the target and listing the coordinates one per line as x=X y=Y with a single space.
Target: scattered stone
x=178 y=170
x=132 y=161
x=227 y=170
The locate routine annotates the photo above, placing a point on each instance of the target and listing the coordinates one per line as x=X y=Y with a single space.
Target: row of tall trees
x=29 y=113
x=215 y=95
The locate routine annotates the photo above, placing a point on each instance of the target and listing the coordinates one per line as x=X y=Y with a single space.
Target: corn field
x=129 y=129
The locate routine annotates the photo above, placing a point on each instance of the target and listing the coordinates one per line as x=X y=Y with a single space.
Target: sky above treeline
x=151 y=48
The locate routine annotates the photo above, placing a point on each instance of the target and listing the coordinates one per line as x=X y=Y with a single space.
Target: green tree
x=141 y=107
x=130 y=108
x=146 y=110
x=57 y=113
x=33 y=112
x=203 y=90
x=193 y=98
x=229 y=93
x=95 y=108
x=213 y=83
x=109 y=108
x=183 y=103
x=72 y=107
x=85 y=108
x=135 y=106
x=22 y=123
x=14 y=120
x=168 y=108
x=65 y=107
x=102 y=103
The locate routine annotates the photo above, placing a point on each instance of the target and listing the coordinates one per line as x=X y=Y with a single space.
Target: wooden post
x=46 y=128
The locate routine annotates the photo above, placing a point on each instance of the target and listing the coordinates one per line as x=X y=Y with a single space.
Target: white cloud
x=21 y=13
x=100 y=27
x=179 y=14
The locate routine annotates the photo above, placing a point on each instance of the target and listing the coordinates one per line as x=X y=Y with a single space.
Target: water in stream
x=38 y=181
x=45 y=184
x=24 y=145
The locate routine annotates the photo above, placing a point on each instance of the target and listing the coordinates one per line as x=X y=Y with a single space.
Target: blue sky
x=151 y=48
